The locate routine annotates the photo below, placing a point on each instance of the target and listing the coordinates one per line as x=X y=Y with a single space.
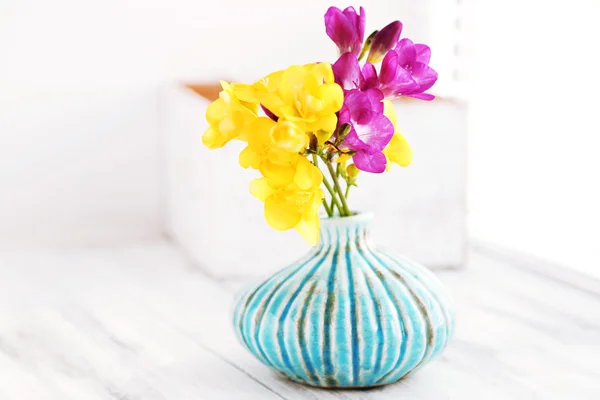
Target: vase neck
x=343 y=230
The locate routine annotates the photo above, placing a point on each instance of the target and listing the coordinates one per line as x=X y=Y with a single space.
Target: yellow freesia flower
x=293 y=203
x=288 y=136
x=398 y=149
x=306 y=95
x=254 y=93
x=228 y=118
x=273 y=148
x=390 y=111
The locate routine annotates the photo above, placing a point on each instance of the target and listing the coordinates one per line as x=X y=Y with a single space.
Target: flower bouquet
x=316 y=126
x=347 y=314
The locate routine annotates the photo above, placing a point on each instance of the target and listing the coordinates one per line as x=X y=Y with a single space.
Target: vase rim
x=357 y=217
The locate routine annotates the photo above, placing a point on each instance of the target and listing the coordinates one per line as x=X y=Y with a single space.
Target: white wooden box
x=419 y=211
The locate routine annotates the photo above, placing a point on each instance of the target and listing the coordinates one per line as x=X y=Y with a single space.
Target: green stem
x=338 y=188
x=337 y=171
x=347 y=190
x=334 y=199
x=327 y=208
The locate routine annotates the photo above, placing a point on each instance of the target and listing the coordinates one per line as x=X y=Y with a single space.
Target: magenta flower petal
x=370 y=129
x=375 y=98
x=344 y=116
x=369 y=76
x=359 y=20
x=389 y=68
x=347 y=72
x=374 y=161
x=423 y=53
x=357 y=100
x=394 y=79
x=405 y=71
x=352 y=142
x=422 y=96
x=376 y=131
x=345 y=28
x=384 y=40
x=407 y=54
x=424 y=75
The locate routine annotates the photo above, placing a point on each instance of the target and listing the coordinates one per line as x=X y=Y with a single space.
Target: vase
x=348 y=314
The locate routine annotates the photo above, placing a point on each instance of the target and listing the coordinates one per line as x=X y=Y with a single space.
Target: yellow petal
x=280 y=214
x=307 y=175
x=225 y=85
x=322 y=71
x=278 y=174
x=260 y=129
x=288 y=136
x=249 y=158
x=261 y=189
x=246 y=93
x=292 y=79
x=398 y=151
x=252 y=107
x=390 y=111
x=230 y=126
x=273 y=103
x=281 y=157
x=309 y=229
x=216 y=111
x=213 y=139
x=271 y=82
x=325 y=124
x=332 y=96
x=258 y=135
x=315 y=204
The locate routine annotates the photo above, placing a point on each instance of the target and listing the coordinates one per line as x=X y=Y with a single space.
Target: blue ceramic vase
x=347 y=314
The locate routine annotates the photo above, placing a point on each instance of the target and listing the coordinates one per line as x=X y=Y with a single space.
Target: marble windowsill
x=143 y=322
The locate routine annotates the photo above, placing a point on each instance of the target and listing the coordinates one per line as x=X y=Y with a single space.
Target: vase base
x=324 y=387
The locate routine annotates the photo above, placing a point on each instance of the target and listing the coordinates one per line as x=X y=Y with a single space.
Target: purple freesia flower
x=370 y=79
x=384 y=40
x=370 y=130
x=349 y=76
x=346 y=28
x=405 y=71
x=347 y=73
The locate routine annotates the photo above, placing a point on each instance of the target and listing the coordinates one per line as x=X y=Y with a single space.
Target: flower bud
x=384 y=40
x=352 y=171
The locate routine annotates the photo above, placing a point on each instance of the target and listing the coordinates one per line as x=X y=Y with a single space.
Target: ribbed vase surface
x=347 y=314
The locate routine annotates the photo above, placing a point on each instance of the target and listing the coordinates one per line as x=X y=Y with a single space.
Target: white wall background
x=534 y=131
x=79 y=128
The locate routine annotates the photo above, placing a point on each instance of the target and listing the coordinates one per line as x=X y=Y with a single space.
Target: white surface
x=142 y=323
x=419 y=211
x=534 y=176
x=78 y=167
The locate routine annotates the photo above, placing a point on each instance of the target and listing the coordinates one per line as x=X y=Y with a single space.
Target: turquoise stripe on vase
x=347 y=314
